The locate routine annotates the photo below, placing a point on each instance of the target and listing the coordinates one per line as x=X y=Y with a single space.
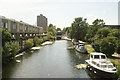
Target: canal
x=51 y=61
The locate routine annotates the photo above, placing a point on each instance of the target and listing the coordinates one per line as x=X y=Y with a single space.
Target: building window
x=21 y=26
x=14 y=25
x=25 y=28
x=5 y=25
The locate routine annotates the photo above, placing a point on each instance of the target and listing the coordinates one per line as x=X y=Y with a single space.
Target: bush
x=29 y=43
x=46 y=38
x=36 y=41
x=10 y=49
x=52 y=37
x=41 y=41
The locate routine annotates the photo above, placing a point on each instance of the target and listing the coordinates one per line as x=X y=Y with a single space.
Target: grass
x=90 y=49
x=116 y=62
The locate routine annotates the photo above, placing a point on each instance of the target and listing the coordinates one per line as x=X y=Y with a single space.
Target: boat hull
x=100 y=73
x=80 y=50
x=83 y=52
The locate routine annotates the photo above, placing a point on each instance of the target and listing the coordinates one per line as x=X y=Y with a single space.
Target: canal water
x=51 y=61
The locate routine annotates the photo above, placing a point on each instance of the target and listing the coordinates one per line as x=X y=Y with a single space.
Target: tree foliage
x=98 y=23
x=51 y=31
x=6 y=36
x=107 y=45
x=92 y=29
x=58 y=29
x=10 y=49
x=29 y=43
x=67 y=31
x=101 y=33
x=79 y=28
x=36 y=41
x=106 y=40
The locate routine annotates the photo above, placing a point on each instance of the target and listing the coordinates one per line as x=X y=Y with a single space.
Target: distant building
x=20 y=28
x=112 y=26
x=42 y=22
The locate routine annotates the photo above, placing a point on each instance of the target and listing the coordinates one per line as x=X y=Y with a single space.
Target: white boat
x=99 y=65
x=81 y=48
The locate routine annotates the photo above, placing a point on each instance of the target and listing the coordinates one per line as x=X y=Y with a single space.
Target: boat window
x=91 y=56
x=98 y=65
x=94 y=62
x=103 y=66
x=103 y=57
x=96 y=57
x=110 y=66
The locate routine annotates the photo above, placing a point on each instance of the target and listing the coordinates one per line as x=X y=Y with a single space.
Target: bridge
x=59 y=35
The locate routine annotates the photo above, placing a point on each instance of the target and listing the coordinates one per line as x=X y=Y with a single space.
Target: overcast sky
x=60 y=12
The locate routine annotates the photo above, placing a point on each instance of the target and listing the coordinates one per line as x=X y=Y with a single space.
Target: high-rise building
x=42 y=22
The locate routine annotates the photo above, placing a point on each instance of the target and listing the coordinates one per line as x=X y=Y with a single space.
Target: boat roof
x=97 y=54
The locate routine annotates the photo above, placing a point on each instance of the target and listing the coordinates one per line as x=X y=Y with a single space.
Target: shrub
x=36 y=41
x=46 y=38
x=41 y=40
x=10 y=49
x=29 y=43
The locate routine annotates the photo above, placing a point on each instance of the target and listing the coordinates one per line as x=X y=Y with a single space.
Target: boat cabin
x=97 y=56
x=103 y=64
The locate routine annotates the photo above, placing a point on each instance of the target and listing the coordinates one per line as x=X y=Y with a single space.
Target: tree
x=118 y=47
x=107 y=45
x=98 y=22
x=116 y=33
x=92 y=29
x=79 y=28
x=107 y=40
x=6 y=36
x=58 y=29
x=101 y=33
x=51 y=31
x=10 y=49
x=67 y=31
